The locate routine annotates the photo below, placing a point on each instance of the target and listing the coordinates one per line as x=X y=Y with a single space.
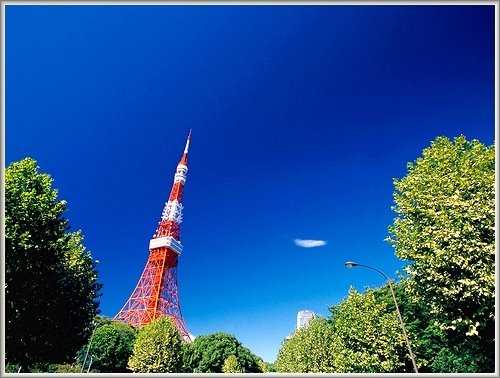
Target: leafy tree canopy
x=51 y=286
x=157 y=348
x=361 y=336
x=426 y=338
x=368 y=337
x=437 y=350
x=445 y=228
x=110 y=347
x=209 y=352
x=231 y=365
x=308 y=350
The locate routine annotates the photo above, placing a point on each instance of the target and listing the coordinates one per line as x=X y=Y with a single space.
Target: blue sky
x=301 y=117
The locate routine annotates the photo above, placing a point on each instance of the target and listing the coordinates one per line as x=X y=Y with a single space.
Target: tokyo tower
x=156 y=292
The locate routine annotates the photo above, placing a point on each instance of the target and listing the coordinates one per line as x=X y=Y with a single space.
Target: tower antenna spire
x=184 y=155
x=187 y=141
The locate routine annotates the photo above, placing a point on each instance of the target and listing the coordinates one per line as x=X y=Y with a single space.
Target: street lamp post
x=90 y=343
x=90 y=363
x=351 y=264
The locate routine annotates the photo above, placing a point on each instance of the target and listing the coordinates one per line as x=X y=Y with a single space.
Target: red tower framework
x=156 y=292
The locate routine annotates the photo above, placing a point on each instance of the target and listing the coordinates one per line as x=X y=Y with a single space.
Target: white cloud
x=306 y=243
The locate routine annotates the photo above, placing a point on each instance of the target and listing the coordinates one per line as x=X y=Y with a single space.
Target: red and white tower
x=156 y=292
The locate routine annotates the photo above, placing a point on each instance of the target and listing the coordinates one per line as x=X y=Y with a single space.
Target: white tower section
x=181 y=173
x=172 y=210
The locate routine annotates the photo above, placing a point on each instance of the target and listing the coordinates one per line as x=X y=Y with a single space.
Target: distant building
x=304 y=317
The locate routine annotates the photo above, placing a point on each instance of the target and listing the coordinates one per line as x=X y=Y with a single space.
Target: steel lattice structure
x=156 y=292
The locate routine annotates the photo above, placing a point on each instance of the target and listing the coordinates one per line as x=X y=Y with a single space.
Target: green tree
x=231 y=365
x=51 y=286
x=208 y=353
x=111 y=347
x=445 y=228
x=264 y=366
x=426 y=338
x=435 y=351
x=368 y=339
x=270 y=367
x=360 y=336
x=458 y=359
x=157 y=348
x=63 y=368
x=308 y=350
x=187 y=358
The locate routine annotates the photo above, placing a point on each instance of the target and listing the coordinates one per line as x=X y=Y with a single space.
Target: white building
x=304 y=317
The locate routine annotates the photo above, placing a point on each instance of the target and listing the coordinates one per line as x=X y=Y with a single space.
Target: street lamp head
x=350 y=264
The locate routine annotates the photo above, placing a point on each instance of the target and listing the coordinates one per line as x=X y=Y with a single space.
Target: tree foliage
x=231 y=365
x=207 y=354
x=43 y=368
x=264 y=367
x=111 y=347
x=369 y=338
x=426 y=338
x=361 y=336
x=458 y=359
x=446 y=228
x=157 y=348
x=309 y=350
x=51 y=286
